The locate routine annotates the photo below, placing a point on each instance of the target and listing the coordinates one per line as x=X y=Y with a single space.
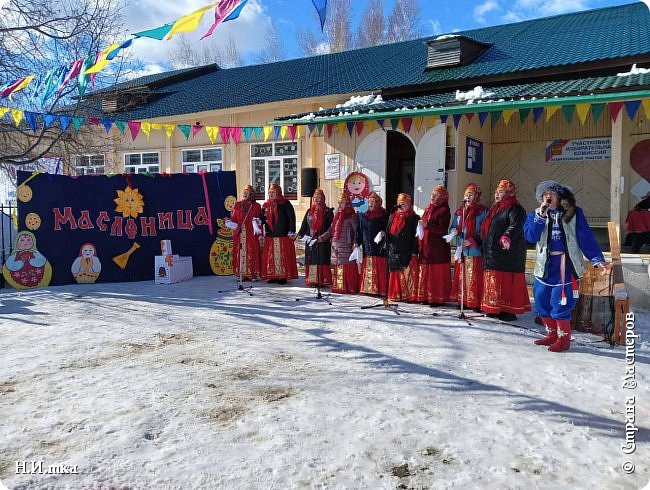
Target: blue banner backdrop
x=81 y=224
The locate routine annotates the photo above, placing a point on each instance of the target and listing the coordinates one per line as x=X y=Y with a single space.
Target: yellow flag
x=22 y=85
x=156 y=126
x=507 y=114
x=213 y=132
x=145 y=127
x=431 y=121
x=267 y=132
x=17 y=114
x=283 y=131
x=645 y=103
x=418 y=123
x=298 y=129
x=169 y=129
x=189 y=22
x=3 y=111
x=583 y=111
x=102 y=61
x=550 y=111
x=341 y=127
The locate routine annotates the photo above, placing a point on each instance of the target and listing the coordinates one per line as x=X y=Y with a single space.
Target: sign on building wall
x=104 y=229
x=474 y=161
x=579 y=150
x=332 y=166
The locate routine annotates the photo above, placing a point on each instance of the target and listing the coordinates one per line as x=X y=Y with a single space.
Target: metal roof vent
x=453 y=50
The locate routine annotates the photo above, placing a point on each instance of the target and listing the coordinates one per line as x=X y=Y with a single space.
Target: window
x=275 y=163
x=140 y=163
x=202 y=160
x=89 y=164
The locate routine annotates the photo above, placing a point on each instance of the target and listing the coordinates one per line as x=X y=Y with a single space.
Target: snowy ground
x=197 y=385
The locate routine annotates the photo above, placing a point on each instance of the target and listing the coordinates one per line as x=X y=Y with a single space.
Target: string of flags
x=84 y=70
x=35 y=120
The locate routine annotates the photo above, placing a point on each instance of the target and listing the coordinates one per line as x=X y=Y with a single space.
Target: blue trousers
x=548 y=300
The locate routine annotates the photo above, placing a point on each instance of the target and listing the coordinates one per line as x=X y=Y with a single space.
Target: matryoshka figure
x=357 y=188
x=26 y=267
x=86 y=267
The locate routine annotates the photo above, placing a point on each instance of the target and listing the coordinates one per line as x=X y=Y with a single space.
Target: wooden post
x=621 y=300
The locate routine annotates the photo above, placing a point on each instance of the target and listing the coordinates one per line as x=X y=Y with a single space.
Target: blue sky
x=289 y=16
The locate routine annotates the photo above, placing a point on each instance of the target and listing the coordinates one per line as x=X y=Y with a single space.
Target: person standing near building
x=316 y=222
x=434 y=257
x=505 y=293
x=279 y=254
x=402 y=250
x=370 y=237
x=246 y=244
x=343 y=232
x=562 y=236
x=466 y=232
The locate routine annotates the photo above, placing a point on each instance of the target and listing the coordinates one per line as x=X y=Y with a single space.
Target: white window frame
x=203 y=165
x=276 y=154
x=142 y=168
x=89 y=168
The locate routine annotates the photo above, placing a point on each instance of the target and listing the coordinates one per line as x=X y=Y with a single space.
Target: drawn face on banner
x=88 y=251
x=229 y=203
x=25 y=241
x=357 y=185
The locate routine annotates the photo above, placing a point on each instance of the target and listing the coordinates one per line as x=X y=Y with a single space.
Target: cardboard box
x=171 y=269
x=165 y=247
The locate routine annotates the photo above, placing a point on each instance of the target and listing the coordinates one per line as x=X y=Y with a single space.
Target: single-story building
x=562 y=97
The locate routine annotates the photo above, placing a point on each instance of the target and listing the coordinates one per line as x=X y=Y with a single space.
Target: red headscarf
x=399 y=216
x=440 y=198
x=378 y=211
x=271 y=205
x=509 y=199
x=467 y=214
x=317 y=211
x=340 y=216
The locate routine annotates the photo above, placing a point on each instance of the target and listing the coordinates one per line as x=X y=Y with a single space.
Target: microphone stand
x=240 y=278
x=319 y=295
x=385 y=303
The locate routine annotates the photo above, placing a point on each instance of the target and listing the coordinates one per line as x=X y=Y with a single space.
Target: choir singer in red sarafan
x=246 y=236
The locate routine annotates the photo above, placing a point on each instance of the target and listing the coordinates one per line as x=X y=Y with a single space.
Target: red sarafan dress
x=402 y=255
x=434 y=257
x=343 y=232
x=279 y=253
x=243 y=214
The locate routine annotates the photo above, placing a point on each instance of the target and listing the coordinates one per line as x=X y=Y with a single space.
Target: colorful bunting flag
x=457 y=118
x=189 y=22
x=213 y=132
x=30 y=118
x=482 y=116
x=17 y=116
x=121 y=125
x=537 y=113
x=568 y=112
x=223 y=12
x=523 y=114
x=158 y=33
x=77 y=122
x=614 y=109
x=550 y=111
x=134 y=129
x=64 y=122
x=48 y=119
x=406 y=124
x=583 y=112
x=276 y=132
x=632 y=106
x=350 y=126
x=321 y=8
x=185 y=129
x=507 y=114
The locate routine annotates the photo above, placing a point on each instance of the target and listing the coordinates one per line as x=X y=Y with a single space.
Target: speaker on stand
x=309 y=181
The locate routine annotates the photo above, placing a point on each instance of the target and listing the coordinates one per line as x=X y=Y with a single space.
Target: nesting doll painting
x=221 y=250
x=357 y=188
x=86 y=267
x=26 y=267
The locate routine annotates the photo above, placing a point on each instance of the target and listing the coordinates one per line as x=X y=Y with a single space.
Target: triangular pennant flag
x=583 y=112
x=224 y=132
x=406 y=124
x=329 y=128
x=77 y=122
x=189 y=22
x=17 y=116
x=537 y=113
x=394 y=123
x=469 y=116
x=523 y=114
x=93 y=120
x=235 y=134
x=145 y=127
x=381 y=123
x=341 y=128
x=3 y=111
x=632 y=106
x=64 y=122
x=614 y=109
x=321 y=8
x=319 y=126
x=258 y=132
x=121 y=125
x=169 y=130
x=156 y=126
x=195 y=129
x=550 y=111
x=276 y=132
x=292 y=132
x=102 y=61
x=457 y=118
x=185 y=129
x=224 y=9
x=158 y=33
x=298 y=130
x=645 y=103
x=311 y=128
x=134 y=129
x=482 y=116
x=443 y=118
x=418 y=123
x=30 y=118
x=283 y=132
x=48 y=119
x=358 y=126
x=350 y=126
x=494 y=117
x=248 y=132
x=213 y=132
x=568 y=112
x=107 y=123
x=507 y=114
x=267 y=132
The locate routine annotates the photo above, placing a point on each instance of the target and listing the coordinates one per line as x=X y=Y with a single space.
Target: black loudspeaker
x=309 y=181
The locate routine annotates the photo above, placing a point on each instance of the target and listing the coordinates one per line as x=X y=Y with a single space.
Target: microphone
x=465 y=200
x=395 y=208
x=546 y=205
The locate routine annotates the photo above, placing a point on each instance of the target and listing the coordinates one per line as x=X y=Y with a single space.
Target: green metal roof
x=516 y=52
